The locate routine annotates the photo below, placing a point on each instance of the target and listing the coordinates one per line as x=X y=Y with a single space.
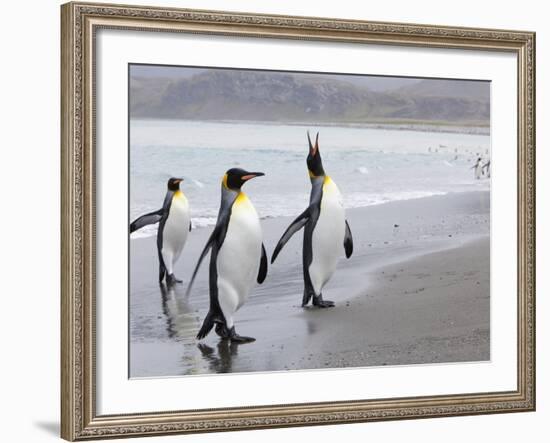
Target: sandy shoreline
x=415 y=291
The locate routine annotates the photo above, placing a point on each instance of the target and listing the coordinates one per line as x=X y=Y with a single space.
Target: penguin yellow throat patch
x=312 y=175
x=179 y=194
x=241 y=198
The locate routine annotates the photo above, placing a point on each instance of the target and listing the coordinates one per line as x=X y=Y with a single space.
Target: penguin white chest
x=328 y=236
x=238 y=259
x=176 y=227
x=478 y=170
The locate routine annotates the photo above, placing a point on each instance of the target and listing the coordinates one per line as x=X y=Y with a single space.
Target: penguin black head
x=314 y=162
x=234 y=178
x=174 y=184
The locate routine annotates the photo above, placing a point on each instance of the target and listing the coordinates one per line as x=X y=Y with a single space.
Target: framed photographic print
x=282 y=221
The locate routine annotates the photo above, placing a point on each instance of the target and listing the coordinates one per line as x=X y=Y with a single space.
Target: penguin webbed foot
x=171 y=280
x=320 y=303
x=241 y=339
x=232 y=335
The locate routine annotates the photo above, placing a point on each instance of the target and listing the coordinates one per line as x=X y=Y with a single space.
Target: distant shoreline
x=401 y=125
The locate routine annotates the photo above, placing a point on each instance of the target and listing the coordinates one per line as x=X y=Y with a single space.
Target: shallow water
x=370 y=166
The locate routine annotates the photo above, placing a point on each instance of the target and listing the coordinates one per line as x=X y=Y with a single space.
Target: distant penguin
x=478 y=169
x=326 y=231
x=174 y=226
x=487 y=167
x=238 y=256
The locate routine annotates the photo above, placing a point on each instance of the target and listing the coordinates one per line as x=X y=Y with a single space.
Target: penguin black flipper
x=214 y=242
x=262 y=273
x=348 y=241
x=190 y=226
x=217 y=237
x=294 y=227
x=147 y=219
x=163 y=216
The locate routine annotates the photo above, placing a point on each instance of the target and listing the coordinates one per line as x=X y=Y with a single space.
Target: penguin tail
x=207 y=326
x=306 y=298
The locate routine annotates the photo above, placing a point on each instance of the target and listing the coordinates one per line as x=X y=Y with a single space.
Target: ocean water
x=370 y=165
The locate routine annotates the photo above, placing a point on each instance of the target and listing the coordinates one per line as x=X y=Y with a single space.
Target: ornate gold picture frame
x=80 y=23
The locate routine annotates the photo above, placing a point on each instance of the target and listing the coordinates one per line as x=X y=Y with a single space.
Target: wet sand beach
x=416 y=290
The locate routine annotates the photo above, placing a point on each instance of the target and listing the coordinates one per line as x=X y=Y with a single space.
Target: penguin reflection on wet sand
x=222 y=362
x=181 y=319
x=237 y=259
x=326 y=231
x=174 y=226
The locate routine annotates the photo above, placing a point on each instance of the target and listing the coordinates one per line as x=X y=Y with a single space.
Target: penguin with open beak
x=326 y=230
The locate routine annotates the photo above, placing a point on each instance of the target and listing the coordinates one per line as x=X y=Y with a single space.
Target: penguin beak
x=313 y=148
x=251 y=175
x=179 y=180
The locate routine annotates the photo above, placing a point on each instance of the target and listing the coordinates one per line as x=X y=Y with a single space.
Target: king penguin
x=174 y=226
x=487 y=167
x=326 y=231
x=478 y=168
x=238 y=256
